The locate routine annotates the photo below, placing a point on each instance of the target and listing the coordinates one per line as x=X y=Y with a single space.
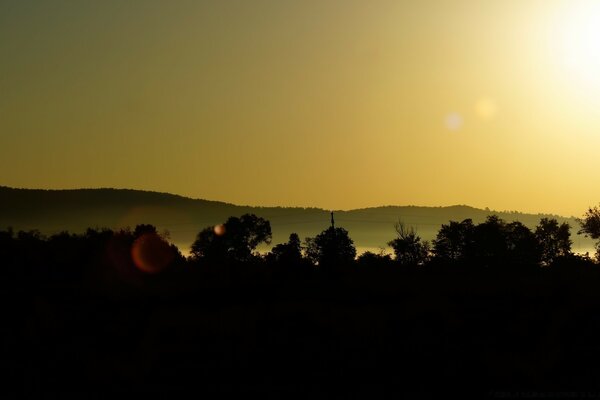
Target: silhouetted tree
x=554 y=239
x=369 y=259
x=287 y=253
x=408 y=247
x=454 y=241
x=287 y=261
x=489 y=242
x=590 y=226
x=144 y=229
x=496 y=243
x=331 y=247
x=235 y=240
x=151 y=252
x=521 y=245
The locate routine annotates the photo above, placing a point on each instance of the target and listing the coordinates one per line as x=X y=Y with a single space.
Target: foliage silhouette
x=332 y=247
x=288 y=253
x=288 y=261
x=493 y=243
x=522 y=245
x=235 y=240
x=408 y=247
x=368 y=259
x=554 y=239
x=590 y=226
x=454 y=241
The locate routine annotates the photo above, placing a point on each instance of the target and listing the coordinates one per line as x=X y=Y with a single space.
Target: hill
x=52 y=211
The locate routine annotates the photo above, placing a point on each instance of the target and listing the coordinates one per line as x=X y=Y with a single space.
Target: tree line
x=494 y=303
x=493 y=243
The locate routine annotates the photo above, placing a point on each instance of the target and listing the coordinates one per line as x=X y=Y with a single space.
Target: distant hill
x=52 y=211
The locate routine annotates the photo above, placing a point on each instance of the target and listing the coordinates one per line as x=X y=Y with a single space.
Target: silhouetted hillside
x=52 y=211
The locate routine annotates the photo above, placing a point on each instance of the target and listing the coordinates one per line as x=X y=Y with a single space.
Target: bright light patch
x=576 y=41
x=219 y=230
x=453 y=121
x=486 y=108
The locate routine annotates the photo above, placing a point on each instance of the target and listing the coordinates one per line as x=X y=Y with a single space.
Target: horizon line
x=492 y=211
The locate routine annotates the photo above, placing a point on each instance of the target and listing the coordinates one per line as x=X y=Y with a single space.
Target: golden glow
x=486 y=108
x=577 y=42
x=336 y=104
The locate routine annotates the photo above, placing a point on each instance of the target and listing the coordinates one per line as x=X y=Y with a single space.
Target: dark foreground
x=360 y=333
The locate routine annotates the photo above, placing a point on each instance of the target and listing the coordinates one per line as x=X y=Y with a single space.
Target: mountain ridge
x=74 y=210
x=4 y=188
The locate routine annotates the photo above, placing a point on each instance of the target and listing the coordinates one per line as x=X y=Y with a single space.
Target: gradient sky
x=335 y=104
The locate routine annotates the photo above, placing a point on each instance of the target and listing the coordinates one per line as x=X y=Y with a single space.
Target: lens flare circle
x=219 y=230
x=486 y=108
x=453 y=121
x=151 y=253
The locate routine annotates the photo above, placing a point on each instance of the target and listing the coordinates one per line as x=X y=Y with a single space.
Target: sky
x=335 y=104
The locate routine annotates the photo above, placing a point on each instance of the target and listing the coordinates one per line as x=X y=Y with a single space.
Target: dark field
x=360 y=333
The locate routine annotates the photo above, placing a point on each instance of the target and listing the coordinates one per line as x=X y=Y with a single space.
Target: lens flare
x=219 y=230
x=486 y=108
x=151 y=253
x=453 y=121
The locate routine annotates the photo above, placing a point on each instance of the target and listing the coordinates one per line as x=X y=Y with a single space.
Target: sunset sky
x=335 y=104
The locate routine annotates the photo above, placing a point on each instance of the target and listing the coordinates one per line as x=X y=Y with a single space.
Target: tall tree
x=454 y=240
x=522 y=247
x=554 y=239
x=332 y=247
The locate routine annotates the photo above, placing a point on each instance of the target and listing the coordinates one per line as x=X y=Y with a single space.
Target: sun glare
x=576 y=42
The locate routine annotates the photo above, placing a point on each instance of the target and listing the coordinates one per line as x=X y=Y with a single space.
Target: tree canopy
x=554 y=239
x=331 y=247
x=408 y=247
x=235 y=240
